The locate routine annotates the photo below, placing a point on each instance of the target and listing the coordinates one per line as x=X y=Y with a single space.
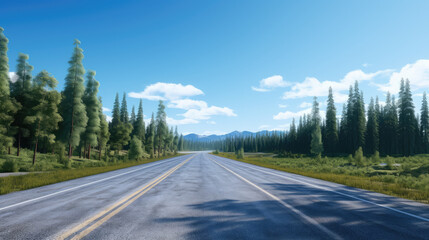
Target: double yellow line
x=117 y=207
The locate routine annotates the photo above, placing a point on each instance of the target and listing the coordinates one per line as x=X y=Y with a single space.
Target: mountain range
x=213 y=137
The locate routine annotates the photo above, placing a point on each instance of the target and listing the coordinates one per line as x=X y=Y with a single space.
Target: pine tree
x=119 y=131
x=407 y=120
x=331 y=125
x=133 y=116
x=176 y=140
x=139 y=126
x=8 y=106
x=150 y=134
x=44 y=116
x=161 y=128
x=124 y=110
x=372 y=136
x=424 y=124
x=92 y=105
x=359 y=118
x=316 y=135
x=72 y=108
x=103 y=134
x=21 y=92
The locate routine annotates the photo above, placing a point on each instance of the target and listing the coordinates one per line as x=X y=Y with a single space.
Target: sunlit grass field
x=405 y=177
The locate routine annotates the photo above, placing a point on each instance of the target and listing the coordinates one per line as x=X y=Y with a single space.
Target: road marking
x=125 y=202
x=299 y=213
x=343 y=194
x=80 y=186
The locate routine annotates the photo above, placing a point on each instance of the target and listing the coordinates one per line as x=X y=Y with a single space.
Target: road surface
x=201 y=196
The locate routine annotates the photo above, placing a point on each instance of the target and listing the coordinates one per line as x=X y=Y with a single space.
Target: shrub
x=10 y=166
x=136 y=150
x=359 y=158
x=240 y=154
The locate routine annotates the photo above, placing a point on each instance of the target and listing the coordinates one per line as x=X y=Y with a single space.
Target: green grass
x=53 y=172
x=402 y=177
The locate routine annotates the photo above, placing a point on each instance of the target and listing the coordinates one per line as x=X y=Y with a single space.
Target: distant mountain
x=207 y=138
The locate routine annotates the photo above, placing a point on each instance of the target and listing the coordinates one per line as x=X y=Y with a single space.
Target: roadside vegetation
x=61 y=135
x=405 y=177
x=49 y=169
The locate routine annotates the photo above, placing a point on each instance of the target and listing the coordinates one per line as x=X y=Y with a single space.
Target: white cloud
x=108 y=118
x=311 y=86
x=13 y=77
x=167 y=91
x=206 y=112
x=289 y=115
x=177 y=96
x=269 y=83
x=282 y=106
x=172 y=121
x=305 y=105
x=417 y=73
x=256 y=89
x=105 y=109
x=187 y=104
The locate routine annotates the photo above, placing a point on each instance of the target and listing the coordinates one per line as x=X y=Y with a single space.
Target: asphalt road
x=200 y=196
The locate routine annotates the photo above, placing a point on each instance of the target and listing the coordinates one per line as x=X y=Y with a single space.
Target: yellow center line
x=130 y=198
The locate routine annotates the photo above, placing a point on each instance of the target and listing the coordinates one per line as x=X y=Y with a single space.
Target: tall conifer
x=72 y=108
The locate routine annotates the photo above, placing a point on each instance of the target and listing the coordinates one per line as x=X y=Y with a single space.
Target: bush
x=359 y=158
x=10 y=166
x=240 y=154
x=216 y=152
x=136 y=150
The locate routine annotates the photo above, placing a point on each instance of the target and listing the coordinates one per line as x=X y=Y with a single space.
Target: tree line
x=389 y=129
x=33 y=114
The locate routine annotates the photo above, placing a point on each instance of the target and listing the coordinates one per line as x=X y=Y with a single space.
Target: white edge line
x=73 y=188
x=344 y=194
x=299 y=213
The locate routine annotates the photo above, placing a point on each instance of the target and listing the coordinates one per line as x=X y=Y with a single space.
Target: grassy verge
x=408 y=178
x=32 y=180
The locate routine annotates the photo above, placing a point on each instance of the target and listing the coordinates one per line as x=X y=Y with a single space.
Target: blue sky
x=227 y=65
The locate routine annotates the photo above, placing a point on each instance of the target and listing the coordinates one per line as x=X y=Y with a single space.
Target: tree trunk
x=70 y=150
x=19 y=145
x=89 y=151
x=35 y=152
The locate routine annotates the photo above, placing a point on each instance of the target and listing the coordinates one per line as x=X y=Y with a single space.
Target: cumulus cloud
x=206 y=112
x=417 y=73
x=256 y=89
x=13 y=77
x=313 y=87
x=167 y=91
x=178 y=96
x=269 y=83
x=105 y=109
x=172 y=121
x=289 y=115
x=305 y=105
x=282 y=106
x=187 y=104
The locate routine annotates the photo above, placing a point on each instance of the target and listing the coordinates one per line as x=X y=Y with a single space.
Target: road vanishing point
x=203 y=196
